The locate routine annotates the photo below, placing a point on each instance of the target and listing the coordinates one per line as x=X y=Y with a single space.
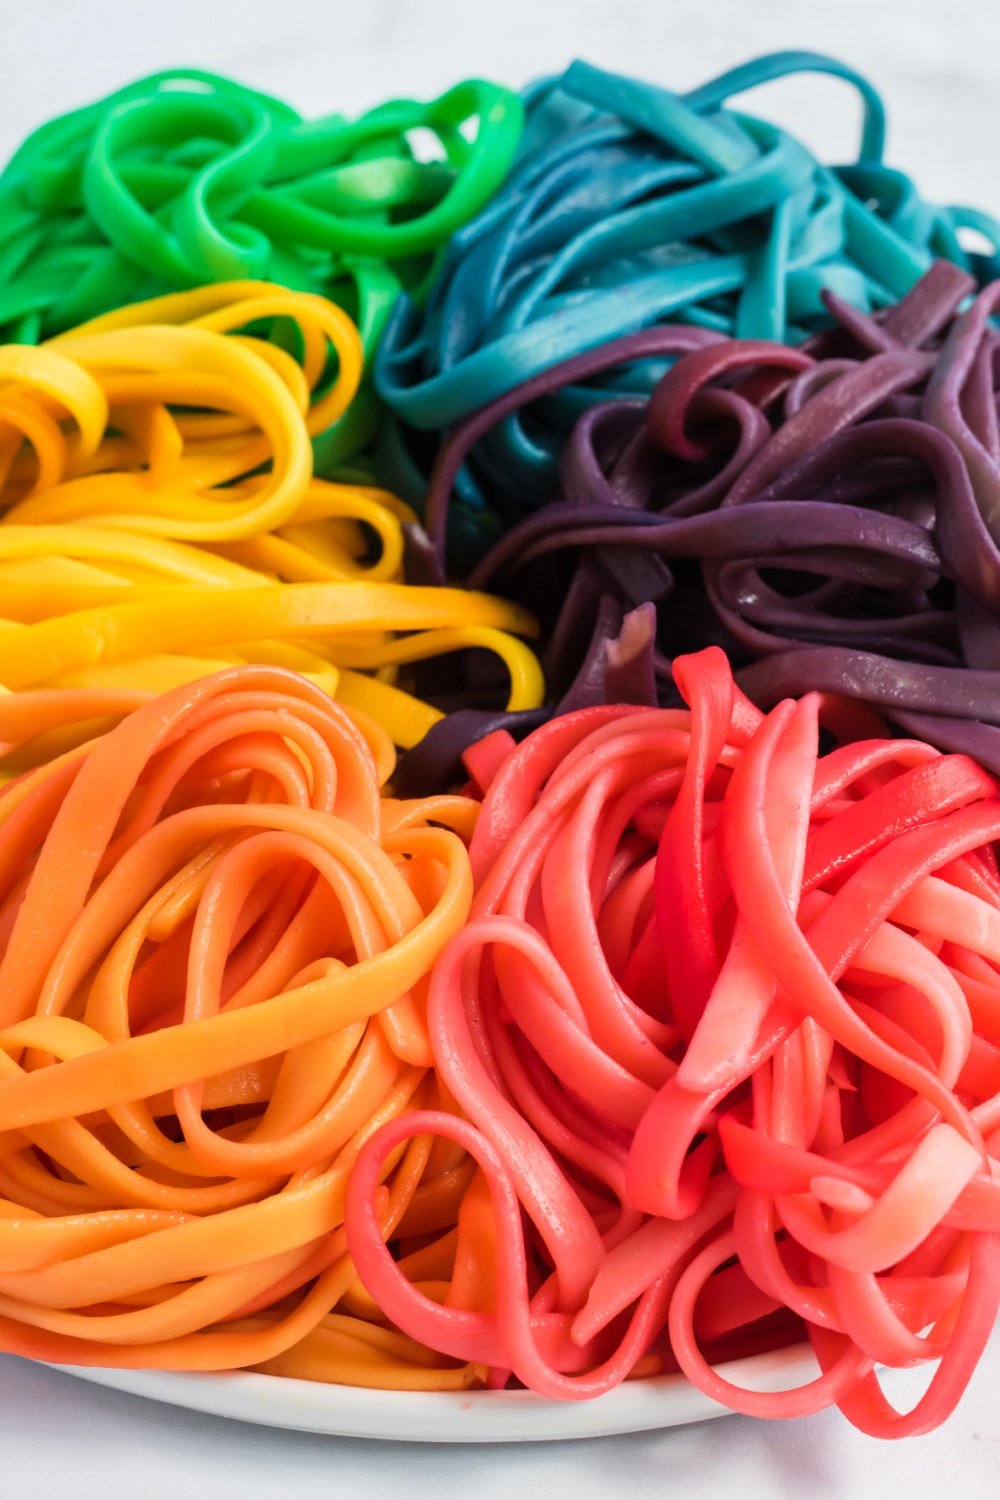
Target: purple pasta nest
x=829 y=514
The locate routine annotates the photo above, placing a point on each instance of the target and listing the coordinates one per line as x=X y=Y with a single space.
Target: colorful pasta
x=674 y=1036
x=216 y=936
x=161 y=517
x=186 y=177
x=631 y=206
x=828 y=514
x=724 y=1025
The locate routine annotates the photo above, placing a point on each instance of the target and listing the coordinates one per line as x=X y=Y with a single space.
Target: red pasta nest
x=724 y=1028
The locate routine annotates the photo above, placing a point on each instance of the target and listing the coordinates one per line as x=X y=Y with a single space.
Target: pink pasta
x=723 y=1032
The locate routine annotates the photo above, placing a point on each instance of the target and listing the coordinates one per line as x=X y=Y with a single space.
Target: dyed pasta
x=186 y=177
x=216 y=936
x=631 y=206
x=675 y=1037
x=827 y=514
x=723 y=1023
x=177 y=394
x=161 y=517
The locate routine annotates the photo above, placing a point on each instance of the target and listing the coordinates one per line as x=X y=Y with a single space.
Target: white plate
x=447 y=1416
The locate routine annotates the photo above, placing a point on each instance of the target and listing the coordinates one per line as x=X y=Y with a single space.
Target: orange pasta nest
x=217 y=933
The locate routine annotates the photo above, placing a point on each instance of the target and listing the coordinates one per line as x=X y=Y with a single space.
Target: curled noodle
x=724 y=1025
x=216 y=936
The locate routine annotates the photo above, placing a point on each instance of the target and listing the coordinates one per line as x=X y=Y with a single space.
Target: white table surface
x=936 y=62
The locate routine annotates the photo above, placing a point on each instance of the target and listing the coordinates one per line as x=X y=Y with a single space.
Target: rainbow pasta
x=723 y=1029
x=216 y=938
x=632 y=206
x=161 y=517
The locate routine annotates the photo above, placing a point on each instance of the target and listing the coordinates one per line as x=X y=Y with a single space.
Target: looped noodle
x=724 y=1027
x=216 y=937
x=161 y=518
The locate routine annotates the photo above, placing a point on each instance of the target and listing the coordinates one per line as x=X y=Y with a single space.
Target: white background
x=937 y=62
x=938 y=65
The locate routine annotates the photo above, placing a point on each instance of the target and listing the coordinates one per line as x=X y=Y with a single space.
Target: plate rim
x=448 y=1417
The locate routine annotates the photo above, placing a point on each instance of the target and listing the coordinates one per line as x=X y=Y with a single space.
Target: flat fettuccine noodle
x=161 y=518
x=216 y=938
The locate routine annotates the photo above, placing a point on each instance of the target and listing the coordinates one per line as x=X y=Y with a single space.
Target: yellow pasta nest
x=161 y=518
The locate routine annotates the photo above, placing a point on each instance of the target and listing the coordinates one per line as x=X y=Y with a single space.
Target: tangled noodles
x=829 y=514
x=216 y=937
x=631 y=206
x=724 y=1026
x=161 y=518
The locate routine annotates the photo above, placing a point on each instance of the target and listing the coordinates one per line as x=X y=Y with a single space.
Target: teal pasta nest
x=631 y=206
